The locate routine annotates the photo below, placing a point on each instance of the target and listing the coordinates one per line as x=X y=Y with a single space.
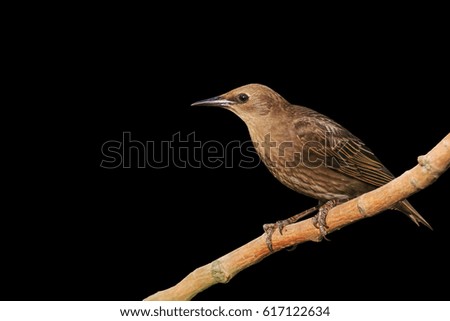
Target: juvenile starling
x=307 y=151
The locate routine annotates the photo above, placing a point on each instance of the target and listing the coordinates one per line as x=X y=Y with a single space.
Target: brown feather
x=307 y=151
x=342 y=151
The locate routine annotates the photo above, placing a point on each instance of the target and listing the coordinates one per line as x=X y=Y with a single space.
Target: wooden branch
x=222 y=270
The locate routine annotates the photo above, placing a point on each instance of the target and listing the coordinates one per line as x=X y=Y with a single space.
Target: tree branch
x=222 y=270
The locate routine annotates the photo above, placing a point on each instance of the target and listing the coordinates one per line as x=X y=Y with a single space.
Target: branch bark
x=222 y=270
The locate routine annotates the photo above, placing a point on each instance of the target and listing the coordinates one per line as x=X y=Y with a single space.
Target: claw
x=292 y=248
x=320 y=219
x=269 y=229
x=281 y=225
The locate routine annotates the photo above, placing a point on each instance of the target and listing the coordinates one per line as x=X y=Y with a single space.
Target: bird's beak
x=217 y=101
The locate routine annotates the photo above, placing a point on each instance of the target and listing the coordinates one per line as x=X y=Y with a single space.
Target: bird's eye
x=242 y=98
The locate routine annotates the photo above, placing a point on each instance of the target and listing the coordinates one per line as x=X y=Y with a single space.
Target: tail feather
x=406 y=208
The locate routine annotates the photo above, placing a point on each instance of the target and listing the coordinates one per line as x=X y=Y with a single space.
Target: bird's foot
x=320 y=219
x=270 y=228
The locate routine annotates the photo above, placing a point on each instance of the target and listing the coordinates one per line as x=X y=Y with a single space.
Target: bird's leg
x=280 y=225
x=319 y=220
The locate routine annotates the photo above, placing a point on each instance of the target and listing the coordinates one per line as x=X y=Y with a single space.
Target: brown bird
x=307 y=151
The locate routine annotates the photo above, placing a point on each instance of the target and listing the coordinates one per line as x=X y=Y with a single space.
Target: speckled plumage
x=305 y=150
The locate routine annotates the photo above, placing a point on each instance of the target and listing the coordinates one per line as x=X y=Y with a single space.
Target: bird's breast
x=300 y=170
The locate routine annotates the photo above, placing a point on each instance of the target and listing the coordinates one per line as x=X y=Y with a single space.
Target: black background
x=81 y=232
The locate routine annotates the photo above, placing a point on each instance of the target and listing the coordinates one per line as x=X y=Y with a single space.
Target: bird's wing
x=334 y=146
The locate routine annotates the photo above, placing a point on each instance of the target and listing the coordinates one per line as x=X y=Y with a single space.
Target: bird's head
x=250 y=102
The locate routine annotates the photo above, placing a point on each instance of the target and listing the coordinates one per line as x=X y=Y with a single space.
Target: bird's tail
x=405 y=207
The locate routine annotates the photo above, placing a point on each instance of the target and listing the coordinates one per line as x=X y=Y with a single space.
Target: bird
x=308 y=152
